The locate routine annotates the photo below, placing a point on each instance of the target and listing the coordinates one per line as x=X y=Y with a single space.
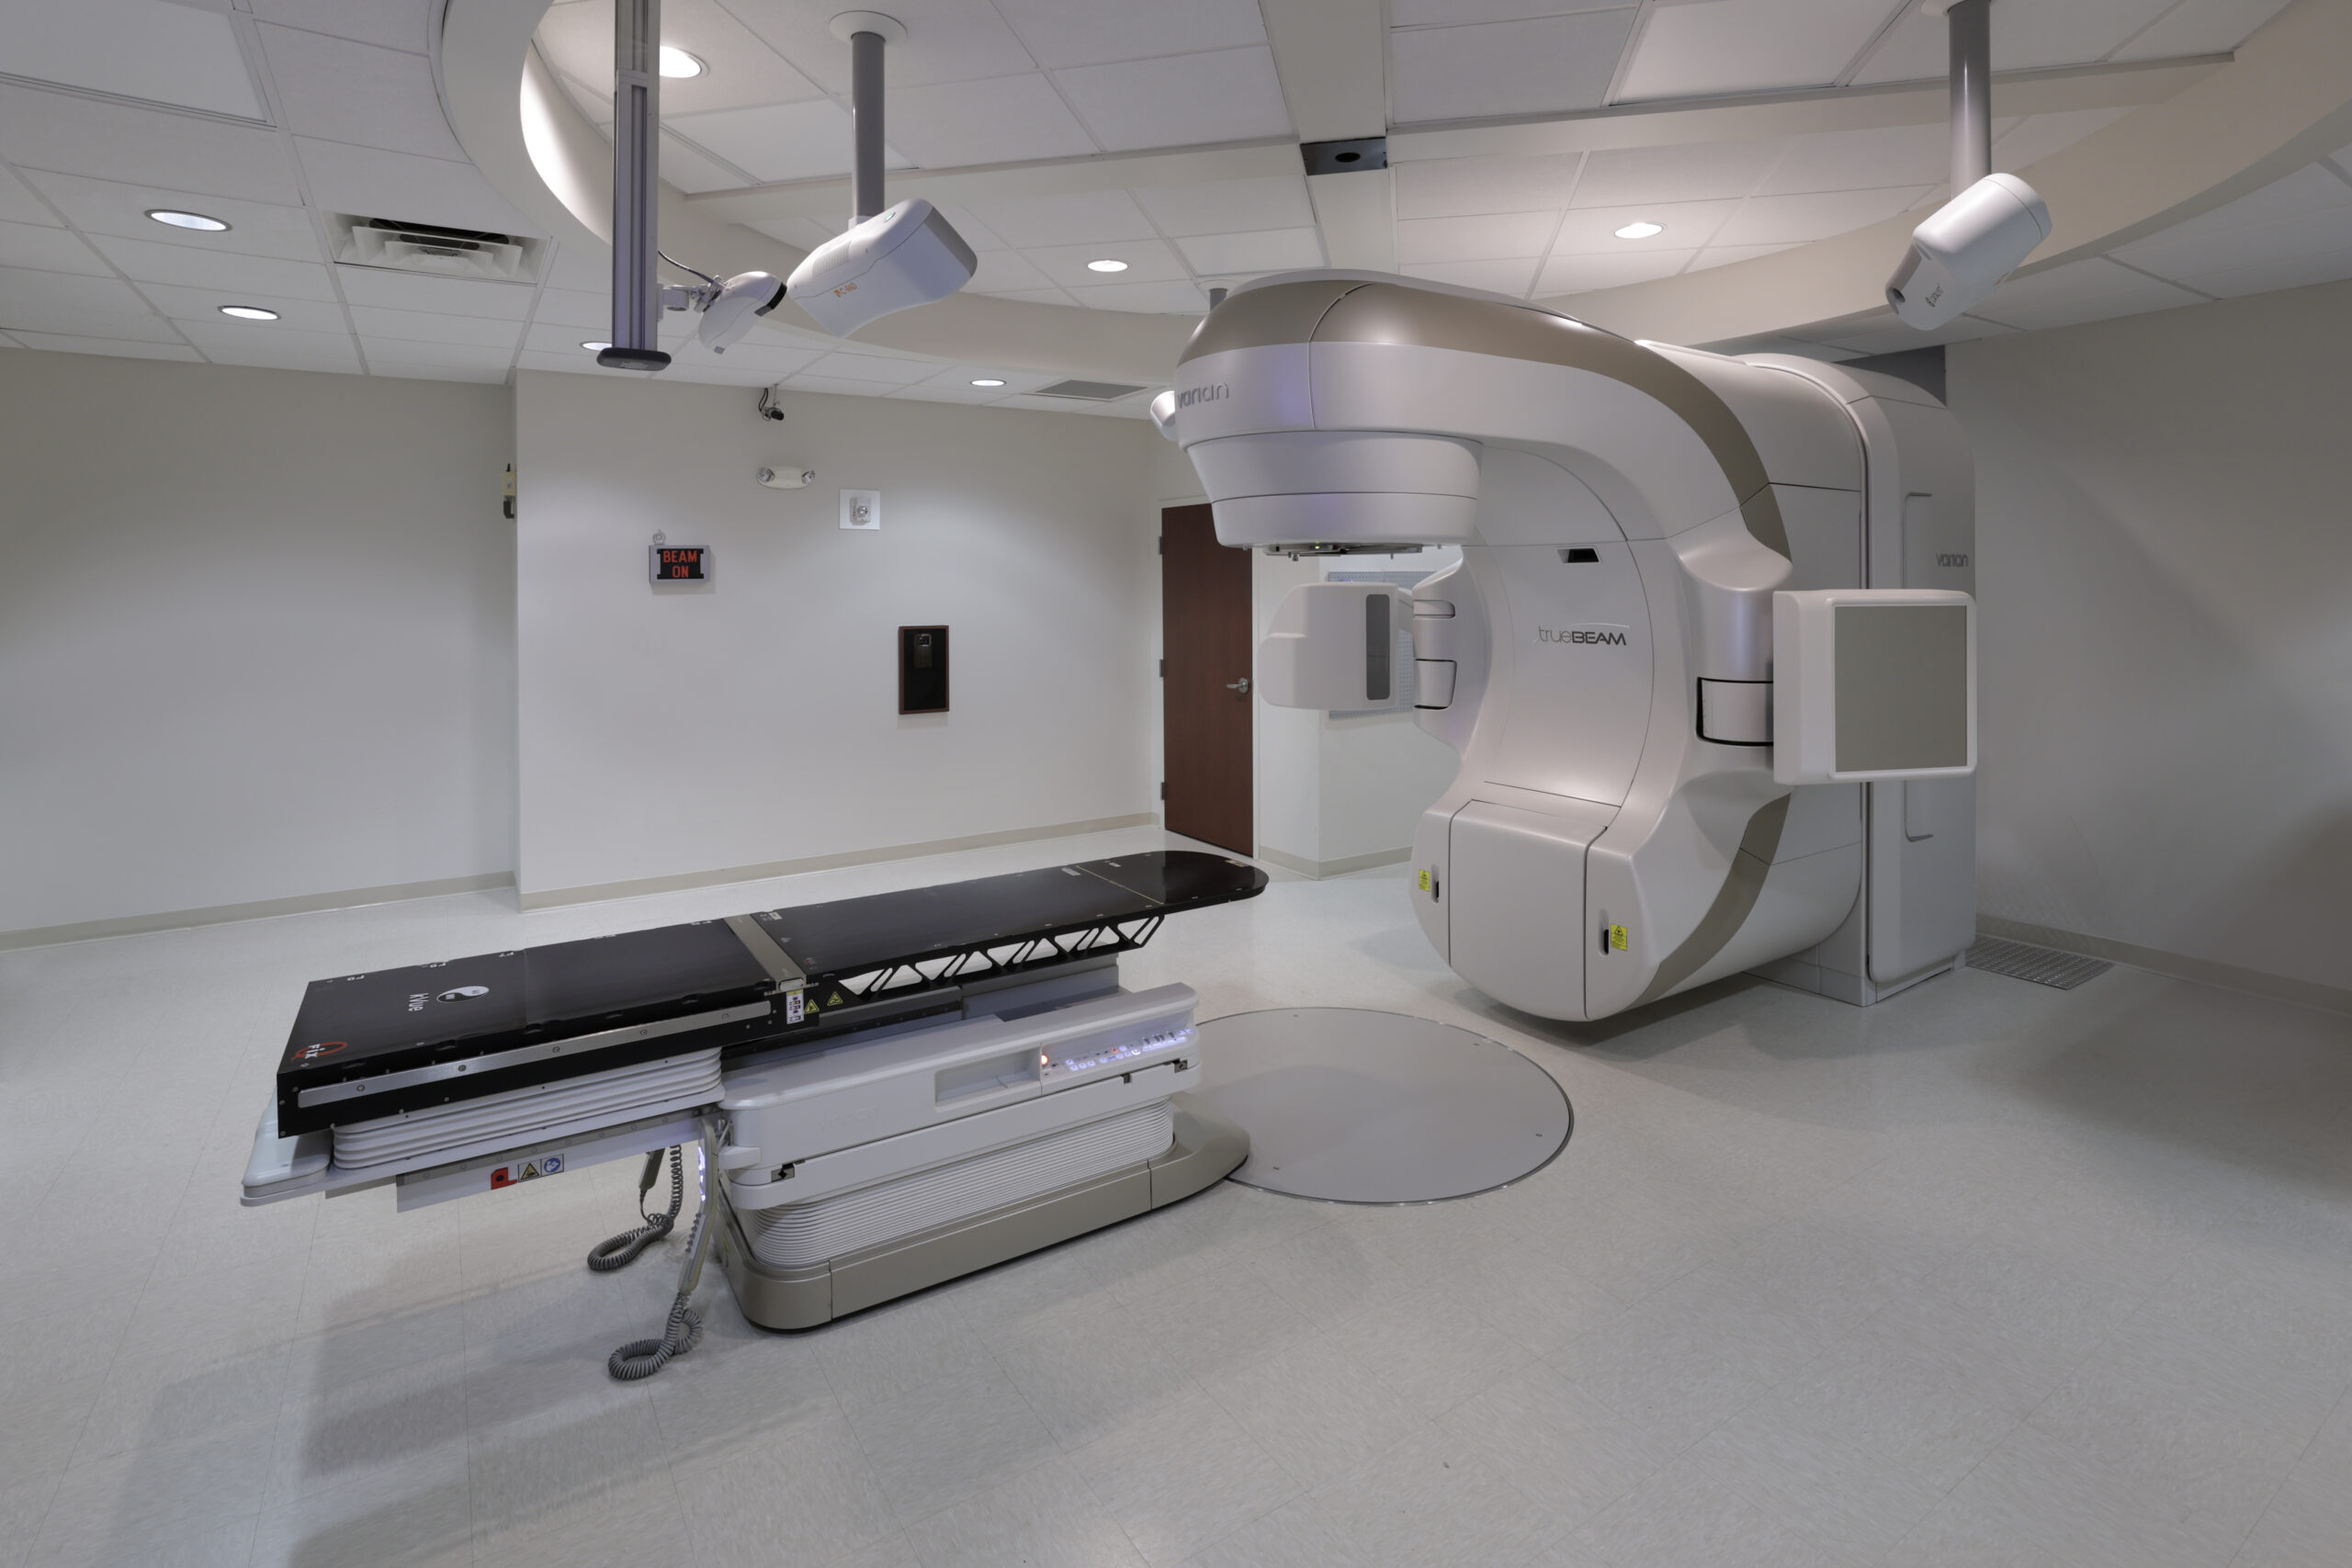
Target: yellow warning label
x=1617 y=938
x=834 y=1000
x=1425 y=879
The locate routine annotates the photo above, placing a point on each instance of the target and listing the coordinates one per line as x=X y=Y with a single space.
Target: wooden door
x=1205 y=692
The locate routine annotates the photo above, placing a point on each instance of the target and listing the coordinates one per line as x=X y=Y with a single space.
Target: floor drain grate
x=2042 y=965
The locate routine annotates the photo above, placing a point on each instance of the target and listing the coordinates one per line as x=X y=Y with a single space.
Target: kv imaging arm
x=1710 y=641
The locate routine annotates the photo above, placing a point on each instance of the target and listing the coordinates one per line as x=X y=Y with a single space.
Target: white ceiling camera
x=903 y=256
x=741 y=300
x=1966 y=248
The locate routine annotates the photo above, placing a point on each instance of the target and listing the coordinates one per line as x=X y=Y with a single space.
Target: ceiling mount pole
x=866 y=110
x=636 y=131
x=1969 y=23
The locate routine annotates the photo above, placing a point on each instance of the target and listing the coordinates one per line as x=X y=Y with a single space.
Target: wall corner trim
x=261 y=909
x=1319 y=869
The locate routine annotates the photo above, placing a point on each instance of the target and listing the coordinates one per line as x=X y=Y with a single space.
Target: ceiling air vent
x=429 y=247
x=1088 y=392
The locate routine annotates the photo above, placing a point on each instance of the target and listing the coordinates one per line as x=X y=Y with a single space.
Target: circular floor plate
x=1364 y=1106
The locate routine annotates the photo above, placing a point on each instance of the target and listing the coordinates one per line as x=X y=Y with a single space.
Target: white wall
x=672 y=736
x=2165 y=543
x=255 y=637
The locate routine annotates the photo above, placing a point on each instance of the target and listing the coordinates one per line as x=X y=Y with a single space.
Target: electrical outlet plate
x=861 y=509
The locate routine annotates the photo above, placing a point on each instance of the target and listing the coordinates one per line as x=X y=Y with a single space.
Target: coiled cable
x=620 y=1251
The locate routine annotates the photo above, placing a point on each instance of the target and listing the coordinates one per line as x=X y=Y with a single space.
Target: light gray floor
x=1988 y=1274
x=1357 y=1106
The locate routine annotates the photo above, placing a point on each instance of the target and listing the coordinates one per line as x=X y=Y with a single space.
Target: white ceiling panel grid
x=1461 y=187
x=1510 y=277
x=342 y=91
x=2202 y=27
x=139 y=146
x=1226 y=206
x=21 y=314
x=148 y=260
x=2088 y=290
x=947 y=40
x=120 y=348
x=2025 y=37
x=1263 y=251
x=577 y=37
x=1082 y=218
x=2037 y=136
x=19 y=205
x=1003 y=270
x=1172 y=298
x=181 y=303
x=423 y=327
x=1683 y=226
x=777 y=141
x=394 y=25
x=1506 y=68
x=1708 y=47
x=1179 y=100
x=448 y=296
x=109 y=206
x=153 y=49
x=49 y=249
x=1061 y=33
x=1003 y=119
x=1148 y=261
x=375 y=182
x=1858 y=160
x=23 y=290
x=1703 y=173
x=1497 y=235
x=1788 y=219
x=1724 y=256
x=276 y=347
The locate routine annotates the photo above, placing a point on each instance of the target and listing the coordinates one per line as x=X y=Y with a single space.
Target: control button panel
x=1089 y=1058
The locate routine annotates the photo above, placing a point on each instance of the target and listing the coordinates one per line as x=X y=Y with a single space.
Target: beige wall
x=2165 y=540
x=698 y=735
x=255 y=637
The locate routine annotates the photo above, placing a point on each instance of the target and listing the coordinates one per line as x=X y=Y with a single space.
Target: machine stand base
x=1206 y=1148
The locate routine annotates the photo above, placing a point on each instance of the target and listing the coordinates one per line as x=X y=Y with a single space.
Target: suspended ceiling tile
x=1005 y=119
x=837 y=386
x=451 y=296
x=808 y=233
x=1786 y=219
x=580 y=265
x=716 y=372
x=845 y=365
x=1090 y=32
x=393 y=23
x=1592 y=231
x=1861 y=159
x=48 y=249
x=116 y=346
x=1460 y=187
x=185 y=304
x=1464 y=13
x=2037 y=136
x=1476 y=239
x=1512 y=278
x=19 y=205
x=947 y=40
x=22 y=317
x=2296 y=232
x=2202 y=27
x=381 y=351
x=1082 y=218
x=573 y=363
x=573 y=307
x=690 y=169
x=108 y=207
x=1506 y=68
x=372 y=181
x=22 y=291
x=1581 y=274
x=1037 y=296
x=1266 y=250
x=560 y=338
x=741 y=71
x=269 y=344
x=1703 y=48
x=1003 y=270
x=398 y=370
x=1148 y=261
x=1171 y=298
x=147 y=261
x=118 y=142
x=765 y=354
x=153 y=49
x=2089 y=291
x=1724 y=256
x=781 y=141
x=960 y=378
x=2025 y=37
x=1179 y=100
x=1226 y=206
x=419 y=326
x=1703 y=173
x=357 y=92
x=977 y=234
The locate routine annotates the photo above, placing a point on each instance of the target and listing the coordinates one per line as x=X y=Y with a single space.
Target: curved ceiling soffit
x=2284 y=100
x=551 y=162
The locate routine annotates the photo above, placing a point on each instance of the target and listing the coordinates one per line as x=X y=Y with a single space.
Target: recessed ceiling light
x=985 y=381
x=676 y=63
x=249 y=312
x=1640 y=231
x=196 y=220
x=1106 y=265
x=596 y=347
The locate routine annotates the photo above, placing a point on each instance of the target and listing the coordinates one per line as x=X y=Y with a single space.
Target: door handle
x=1243 y=685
